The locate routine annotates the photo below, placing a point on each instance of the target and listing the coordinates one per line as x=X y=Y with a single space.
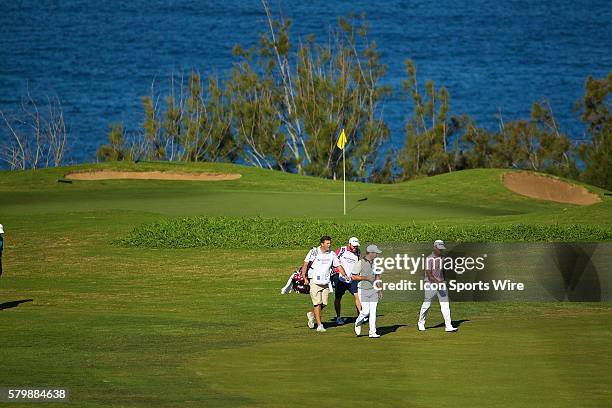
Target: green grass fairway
x=123 y=327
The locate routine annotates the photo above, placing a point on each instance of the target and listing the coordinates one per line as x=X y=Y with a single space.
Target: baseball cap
x=373 y=248
x=439 y=244
x=354 y=241
x=1 y=229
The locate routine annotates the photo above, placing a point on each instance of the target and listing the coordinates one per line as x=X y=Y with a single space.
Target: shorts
x=342 y=287
x=319 y=294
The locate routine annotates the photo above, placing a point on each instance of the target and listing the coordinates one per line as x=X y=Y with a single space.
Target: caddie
x=348 y=256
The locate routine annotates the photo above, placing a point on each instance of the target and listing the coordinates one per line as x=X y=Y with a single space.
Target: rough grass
x=259 y=232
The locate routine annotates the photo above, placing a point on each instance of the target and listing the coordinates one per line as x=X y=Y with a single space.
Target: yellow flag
x=341 y=140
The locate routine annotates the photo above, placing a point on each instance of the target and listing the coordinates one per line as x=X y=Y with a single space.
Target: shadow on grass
x=356 y=205
x=455 y=323
x=14 y=303
x=347 y=320
x=384 y=330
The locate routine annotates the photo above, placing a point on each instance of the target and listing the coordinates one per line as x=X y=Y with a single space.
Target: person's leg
x=315 y=297
x=365 y=312
x=340 y=289
x=372 y=306
x=317 y=312
x=445 y=308
x=355 y=291
x=323 y=296
x=324 y=299
x=429 y=294
x=338 y=304
x=0 y=263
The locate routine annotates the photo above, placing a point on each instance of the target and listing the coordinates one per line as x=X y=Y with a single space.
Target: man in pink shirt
x=434 y=275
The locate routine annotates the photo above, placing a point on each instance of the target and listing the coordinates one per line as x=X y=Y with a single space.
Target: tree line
x=283 y=104
x=283 y=109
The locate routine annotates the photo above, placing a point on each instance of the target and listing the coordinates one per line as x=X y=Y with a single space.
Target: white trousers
x=368 y=309
x=444 y=306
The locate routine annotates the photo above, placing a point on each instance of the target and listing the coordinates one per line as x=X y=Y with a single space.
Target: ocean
x=100 y=57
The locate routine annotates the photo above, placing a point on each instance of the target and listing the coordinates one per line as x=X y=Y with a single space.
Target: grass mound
x=259 y=232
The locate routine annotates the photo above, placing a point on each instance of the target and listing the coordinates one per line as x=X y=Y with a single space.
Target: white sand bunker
x=150 y=175
x=547 y=188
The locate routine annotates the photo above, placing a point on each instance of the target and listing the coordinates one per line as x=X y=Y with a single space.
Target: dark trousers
x=0 y=262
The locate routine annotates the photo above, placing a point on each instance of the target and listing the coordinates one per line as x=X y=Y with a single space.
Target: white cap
x=373 y=248
x=354 y=241
x=1 y=229
x=439 y=244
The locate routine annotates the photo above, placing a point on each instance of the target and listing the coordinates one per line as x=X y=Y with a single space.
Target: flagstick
x=344 y=176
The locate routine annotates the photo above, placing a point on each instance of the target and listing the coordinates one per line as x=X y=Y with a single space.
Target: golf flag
x=341 y=140
x=341 y=143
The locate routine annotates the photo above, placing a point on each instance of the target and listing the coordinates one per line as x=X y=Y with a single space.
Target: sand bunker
x=150 y=175
x=548 y=188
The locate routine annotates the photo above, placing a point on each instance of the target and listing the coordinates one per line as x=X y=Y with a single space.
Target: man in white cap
x=348 y=255
x=434 y=274
x=368 y=294
x=1 y=245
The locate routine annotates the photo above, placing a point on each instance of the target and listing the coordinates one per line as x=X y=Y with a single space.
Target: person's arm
x=431 y=278
x=363 y=278
x=342 y=272
x=380 y=292
x=429 y=271
x=337 y=266
x=304 y=272
x=357 y=274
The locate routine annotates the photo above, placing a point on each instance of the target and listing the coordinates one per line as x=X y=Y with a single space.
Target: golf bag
x=297 y=283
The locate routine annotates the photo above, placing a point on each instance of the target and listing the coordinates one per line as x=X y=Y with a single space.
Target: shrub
x=258 y=232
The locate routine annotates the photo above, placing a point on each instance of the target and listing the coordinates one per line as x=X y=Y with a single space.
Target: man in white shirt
x=348 y=256
x=434 y=274
x=316 y=271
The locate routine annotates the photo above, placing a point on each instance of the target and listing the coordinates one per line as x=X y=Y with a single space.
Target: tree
x=553 y=153
x=384 y=174
x=426 y=150
x=288 y=114
x=195 y=126
x=154 y=149
x=255 y=102
x=476 y=146
x=597 y=155
x=37 y=135
x=116 y=149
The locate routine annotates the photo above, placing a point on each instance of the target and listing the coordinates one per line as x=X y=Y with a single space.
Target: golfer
x=436 y=286
x=1 y=246
x=368 y=295
x=316 y=271
x=348 y=256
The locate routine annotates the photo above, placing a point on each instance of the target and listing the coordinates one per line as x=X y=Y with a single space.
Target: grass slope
x=194 y=327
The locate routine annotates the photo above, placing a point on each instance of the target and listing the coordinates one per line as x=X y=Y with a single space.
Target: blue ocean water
x=101 y=57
